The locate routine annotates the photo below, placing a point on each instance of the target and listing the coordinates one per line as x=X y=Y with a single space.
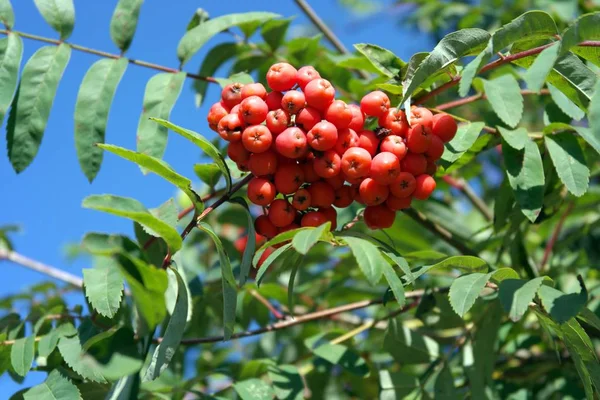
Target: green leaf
x=382 y=59
x=398 y=385
x=104 y=288
x=267 y=263
x=56 y=386
x=240 y=77
x=408 y=346
x=208 y=173
x=287 y=382
x=32 y=103
x=590 y=136
x=561 y=306
x=526 y=177
x=280 y=238
x=60 y=14
x=565 y=104
x=134 y=210
x=21 y=354
x=199 y=17
x=403 y=264
x=7 y=16
x=516 y=294
x=444 y=385
x=574 y=79
x=395 y=284
x=515 y=138
x=195 y=38
x=504 y=273
x=536 y=75
x=273 y=32
x=254 y=389
x=453 y=46
x=586 y=27
x=91 y=111
x=588 y=316
x=160 y=168
x=569 y=161
x=250 y=244
x=337 y=354
x=124 y=22
x=465 y=290
x=294 y=260
x=71 y=351
x=11 y=55
x=466 y=136
x=213 y=60
x=162 y=91
x=466 y=264
x=48 y=342
x=304 y=240
x=594 y=118
x=504 y=95
x=369 y=258
x=201 y=142
x=228 y=282
x=166 y=349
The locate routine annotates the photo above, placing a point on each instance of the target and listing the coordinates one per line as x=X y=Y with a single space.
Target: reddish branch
x=554 y=237
x=480 y=96
x=466 y=189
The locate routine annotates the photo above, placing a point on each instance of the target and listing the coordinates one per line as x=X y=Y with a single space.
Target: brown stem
x=105 y=54
x=481 y=96
x=42 y=268
x=467 y=190
x=554 y=237
x=266 y=303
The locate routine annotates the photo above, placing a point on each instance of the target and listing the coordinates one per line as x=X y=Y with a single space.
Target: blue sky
x=45 y=199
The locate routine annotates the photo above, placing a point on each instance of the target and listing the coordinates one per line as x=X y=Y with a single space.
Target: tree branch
x=467 y=190
x=261 y=299
x=554 y=237
x=104 y=54
x=482 y=96
x=41 y=268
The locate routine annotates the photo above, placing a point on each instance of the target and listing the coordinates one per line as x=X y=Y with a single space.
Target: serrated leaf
x=408 y=346
x=162 y=91
x=504 y=273
x=32 y=103
x=91 y=111
x=124 y=22
x=526 y=177
x=304 y=240
x=273 y=32
x=516 y=294
x=101 y=244
x=240 y=77
x=470 y=71
x=337 y=354
x=287 y=382
x=254 y=389
x=569 y=161
x=590 y=136
x=403 y=264
x=593 y=133
x=535 y=77
x=395 y=284
x=466 y=264
x=195 y=38
x=166 y=212
x=21 y=354
x=574 y=79
x=134 y=210
x=566 y=105
x=56 y=386
x=228 y=282
x=213 y=60
x=208 y=173
x=583 y=353
x=72 y=352
x=7 y=16
x=48 y=342
x=465 y=290
x=11 y=55
x=515 y=138
x=382 y=59
x=586 y=27
x=369 y=258
x=201 y=142
x=269 y=260
x=160 y=168
x=166 y=349
x=466 y=135
x=504 y=95
x=60 y=14
x=104 y=288
x=250 y=247
x=453 y=46
x=562 y=306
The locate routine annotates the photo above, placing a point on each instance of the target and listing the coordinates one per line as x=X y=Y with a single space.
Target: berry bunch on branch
x=309 y=152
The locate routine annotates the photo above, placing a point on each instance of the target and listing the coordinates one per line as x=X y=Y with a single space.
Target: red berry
x=262 y=164
x=431 y=168
x=273 y=100
x=385 y=168
x=310 y=175
x=339 y=114
x=424 y=186
x=291 y=143
x=413 y=163
x=343 y=197
x=240 y=243
x=268 y=251
x=313 y=218
x=231 y=95
x=281 y=77
x=375 y=104
x=281 y=213
x=306 y=74
x=372 y=193
x=336 y=181
x=395 y=145
x=395 y=120
x=331 y=216
x=265 y=227
x=444 y=127
x=421 y=116
x=404 y=185
x=368 y=141
x=301 y=200
x=356 y=162
x=293 y=101
x=277 y=121
x=379 y=217
x=398 y=203
x=436 y=148
x=254 y=89
x=321 y=194
x=323 y=136
x=319 y=93
x=328 y=164
x=257 y=138
x=288 y=178
x=261 y=191
x=358 y=118
x=418 y=139
x=307 y=118
x=253 y=110
x=237 y=152
x=215 y=114
x=230 y=128
x=347 y=138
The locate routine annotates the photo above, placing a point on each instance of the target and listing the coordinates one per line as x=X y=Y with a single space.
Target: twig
x=467 y=190
x=482 y=96
x=104 y=54
x=226 y=196
x=266 y=303
x=554 y=237
x=42 y=268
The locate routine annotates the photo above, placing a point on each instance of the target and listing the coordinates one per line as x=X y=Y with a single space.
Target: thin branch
x=483 y=96
x=266 y=303
x=225 y=197
x=554 y=237
x=41 y=268
x=105 y=54
x=467 y=190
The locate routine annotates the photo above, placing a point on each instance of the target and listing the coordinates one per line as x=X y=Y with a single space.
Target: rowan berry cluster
x=309 y=152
